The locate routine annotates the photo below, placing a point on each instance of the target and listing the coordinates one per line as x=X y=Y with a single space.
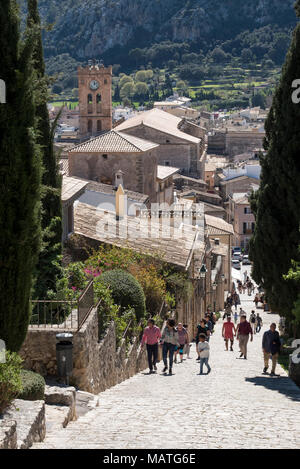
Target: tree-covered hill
x=181 y=35
x=90 y=28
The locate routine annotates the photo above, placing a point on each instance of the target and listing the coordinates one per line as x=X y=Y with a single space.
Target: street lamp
x=203 y=271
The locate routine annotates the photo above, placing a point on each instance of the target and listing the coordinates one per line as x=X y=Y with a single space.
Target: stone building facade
x=181 y=144
x=95 y=99
x=101 y=158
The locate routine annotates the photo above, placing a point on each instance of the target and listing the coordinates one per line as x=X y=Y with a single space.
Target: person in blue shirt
x=271 y=347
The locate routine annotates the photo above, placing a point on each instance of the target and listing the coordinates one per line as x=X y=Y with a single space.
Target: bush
x=153 y=285
x=126 y=291
x=33 y=386
x=10 y=379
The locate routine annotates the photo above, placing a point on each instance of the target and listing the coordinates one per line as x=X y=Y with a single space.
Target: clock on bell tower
x=95 y=100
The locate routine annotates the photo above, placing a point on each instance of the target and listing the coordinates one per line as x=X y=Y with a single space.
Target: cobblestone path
x=233 y=407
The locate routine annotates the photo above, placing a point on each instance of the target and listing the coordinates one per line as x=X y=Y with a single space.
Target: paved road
x=233 y=407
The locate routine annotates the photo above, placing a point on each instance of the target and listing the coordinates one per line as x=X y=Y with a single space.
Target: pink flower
x=74 y=288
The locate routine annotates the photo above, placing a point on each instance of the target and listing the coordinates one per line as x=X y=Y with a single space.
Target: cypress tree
x=48 y=267
x=20 y=180
x=276 y=204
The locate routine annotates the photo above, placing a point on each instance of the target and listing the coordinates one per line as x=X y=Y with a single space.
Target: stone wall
x=96 y=365
x=176 y=151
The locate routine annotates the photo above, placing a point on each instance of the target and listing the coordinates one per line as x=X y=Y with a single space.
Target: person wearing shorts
x=228 y=332
x=183 y=339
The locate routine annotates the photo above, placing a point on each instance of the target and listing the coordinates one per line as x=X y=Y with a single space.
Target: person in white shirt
x=203 y=349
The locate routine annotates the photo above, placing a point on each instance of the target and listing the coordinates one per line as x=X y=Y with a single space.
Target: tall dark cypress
x=276 y=205
x=48 y=268
x=20 y=180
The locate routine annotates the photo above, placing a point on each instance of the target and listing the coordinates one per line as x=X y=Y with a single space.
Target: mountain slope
x=92 y=28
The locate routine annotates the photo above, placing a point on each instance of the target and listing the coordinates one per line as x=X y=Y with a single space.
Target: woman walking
x=151 y=338
x=170 y=340
x=183 y=339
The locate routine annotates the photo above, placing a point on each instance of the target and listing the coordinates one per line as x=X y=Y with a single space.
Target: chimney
x=120 y=203
x=119 y=179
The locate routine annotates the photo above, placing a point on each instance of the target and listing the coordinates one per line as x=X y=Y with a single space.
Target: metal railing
x=54 y=314
x=63 y=314
x=86 y=302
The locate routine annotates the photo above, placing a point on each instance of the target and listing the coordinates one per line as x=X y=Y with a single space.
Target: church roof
x=113 y=141
x=158 y=120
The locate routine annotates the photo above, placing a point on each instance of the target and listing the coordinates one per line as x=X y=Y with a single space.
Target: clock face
x=94 y=85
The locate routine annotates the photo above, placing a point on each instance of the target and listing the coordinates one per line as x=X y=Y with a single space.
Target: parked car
x=236 y=250
x=237 y=257
x=246 y=260
x=236 y=264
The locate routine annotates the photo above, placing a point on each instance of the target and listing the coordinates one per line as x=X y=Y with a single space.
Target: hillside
x=189 y=39
x=95 y=27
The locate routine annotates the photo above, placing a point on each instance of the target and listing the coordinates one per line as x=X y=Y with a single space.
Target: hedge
x=10 y=379
x=33 y=386
x=126 y=291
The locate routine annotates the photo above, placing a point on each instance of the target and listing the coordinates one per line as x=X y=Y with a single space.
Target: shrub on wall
x=10 y=379
x=33 y=386
x=126 y=291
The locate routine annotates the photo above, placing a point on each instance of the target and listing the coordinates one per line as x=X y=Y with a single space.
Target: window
x=90 y=127
x=99 y=99
x=248 y=228
x=247 y=211
x=89 y=98
x=99 y=126
x=104 y=156
x=167 y=163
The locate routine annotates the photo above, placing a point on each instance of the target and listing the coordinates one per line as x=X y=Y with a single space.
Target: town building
x=182 y=144
x=242 y=218
x=99 y=159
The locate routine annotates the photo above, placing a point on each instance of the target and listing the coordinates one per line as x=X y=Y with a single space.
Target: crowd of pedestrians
x=175 y=340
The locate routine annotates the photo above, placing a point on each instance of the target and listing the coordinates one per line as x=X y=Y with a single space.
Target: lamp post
x=203 y=272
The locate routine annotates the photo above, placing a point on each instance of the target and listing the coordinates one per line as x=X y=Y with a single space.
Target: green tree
x=276 y=204
x=20 y=179
x=141 y=75
x=127 y=90
x=48 y=268
x=141 y=90
x=125 y=79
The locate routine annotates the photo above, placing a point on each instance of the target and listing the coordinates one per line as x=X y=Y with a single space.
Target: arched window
x=90 y=103
x=90 y=127
x=99 y=126
x=98 y=101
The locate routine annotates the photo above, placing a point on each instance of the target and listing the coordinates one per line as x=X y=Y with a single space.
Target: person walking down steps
x=243 y=330
x=203 y=349
x=170 y=340
x=151 y=338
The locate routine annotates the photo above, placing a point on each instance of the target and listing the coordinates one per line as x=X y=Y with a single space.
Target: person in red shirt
x=228 y=332
x=151 y=338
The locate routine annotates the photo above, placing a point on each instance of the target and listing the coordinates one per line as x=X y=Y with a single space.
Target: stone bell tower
x=95 y=100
